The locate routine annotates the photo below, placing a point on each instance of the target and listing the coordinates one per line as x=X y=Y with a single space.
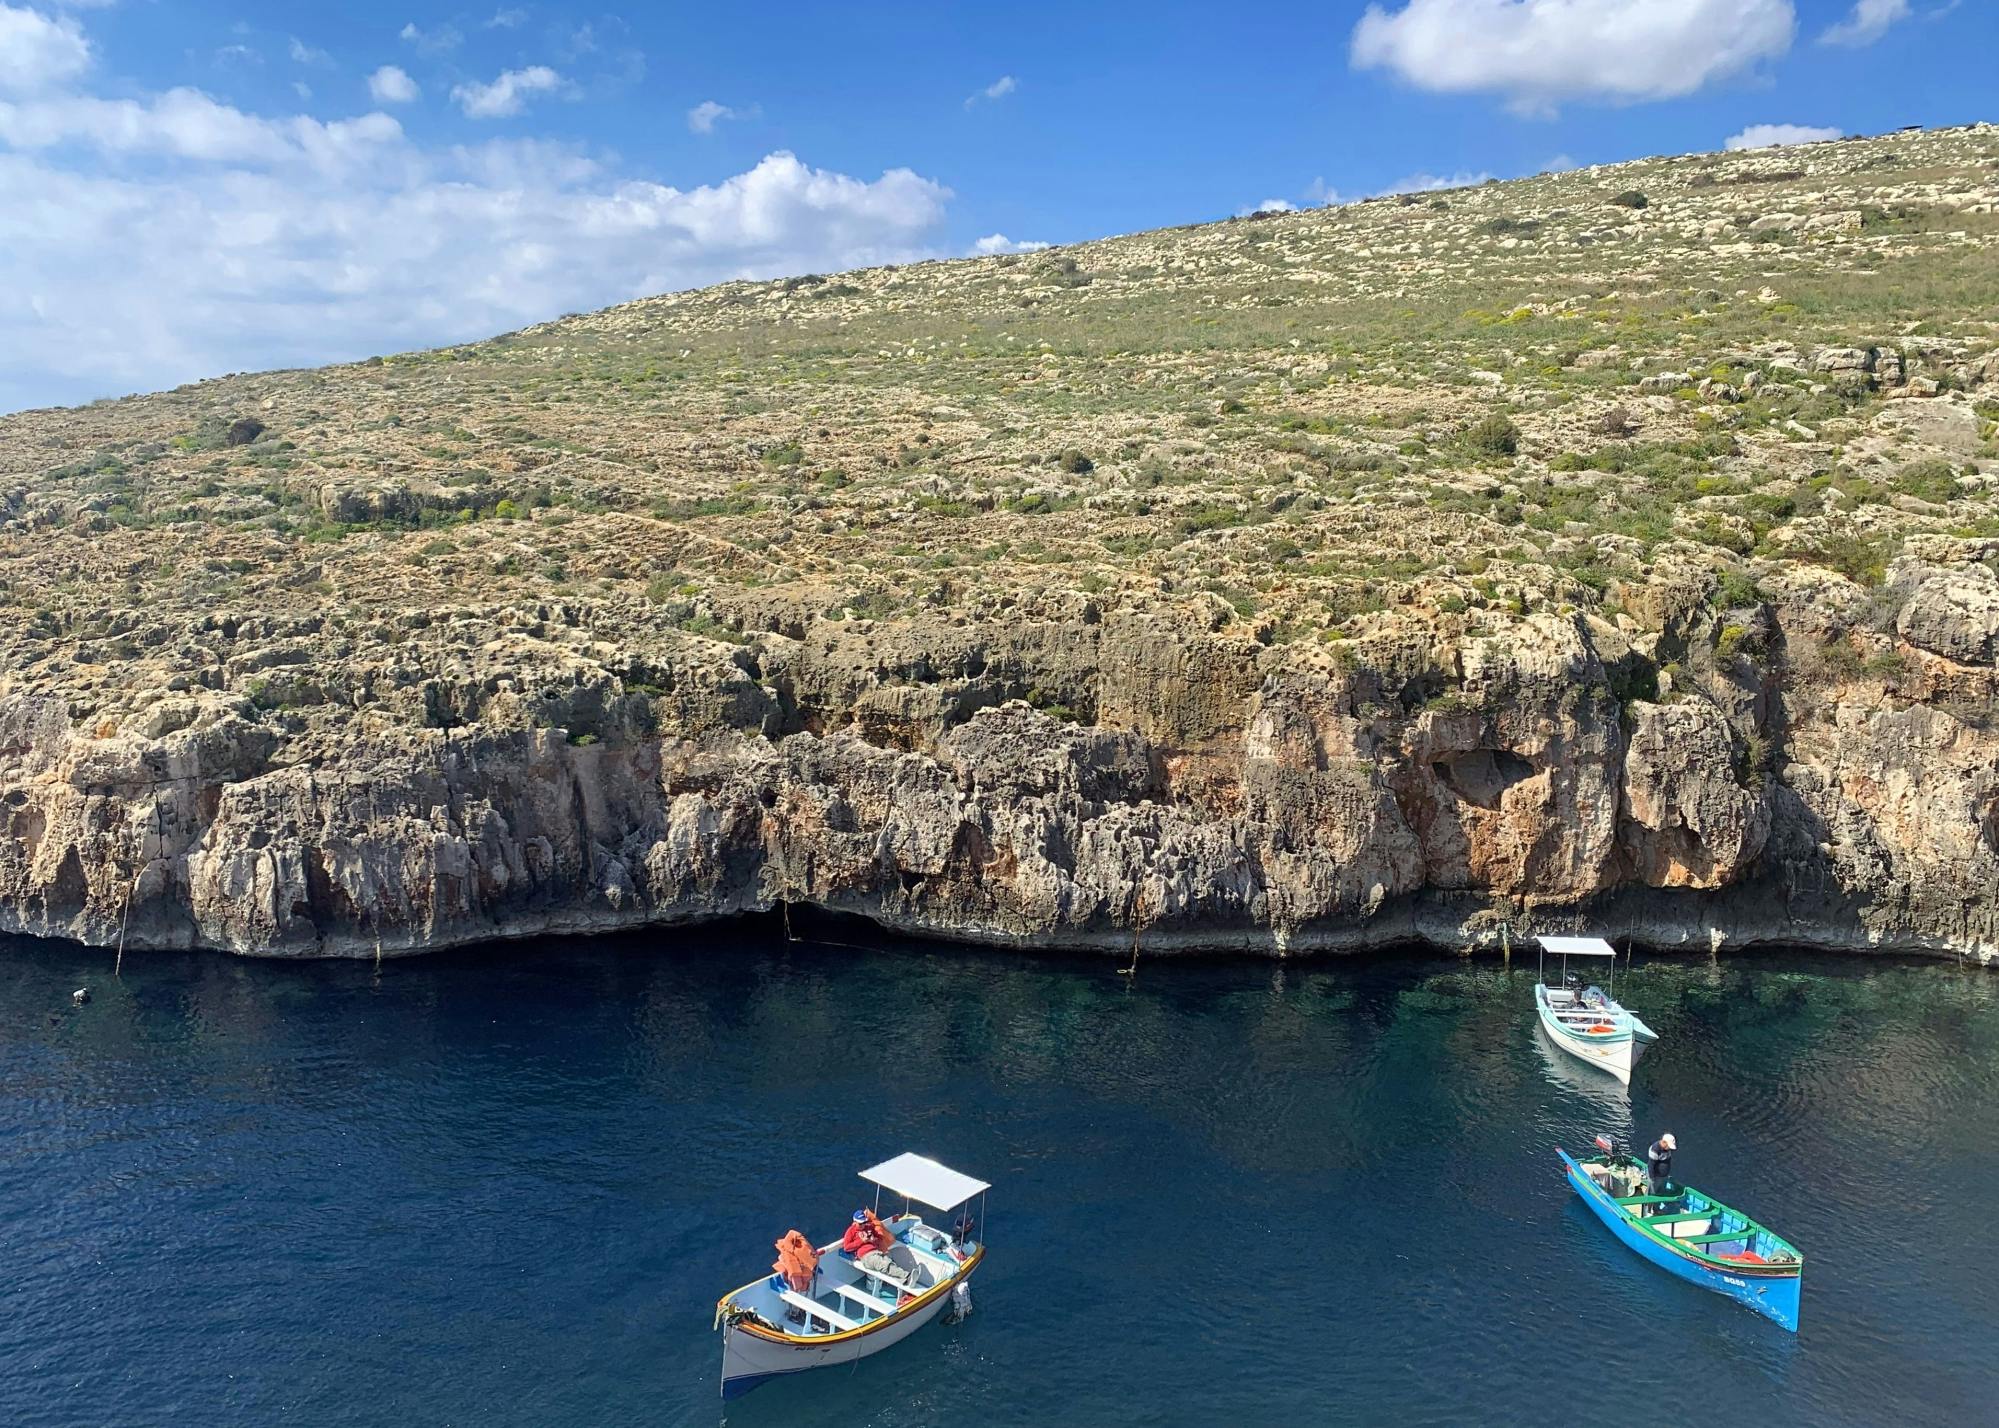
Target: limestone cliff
x=1427 y=781
x=1520 y=555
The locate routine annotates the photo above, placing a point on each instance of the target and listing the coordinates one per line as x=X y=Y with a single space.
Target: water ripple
x=506 y=1187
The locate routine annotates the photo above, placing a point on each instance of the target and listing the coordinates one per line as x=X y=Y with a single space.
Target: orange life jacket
x=797 y=1261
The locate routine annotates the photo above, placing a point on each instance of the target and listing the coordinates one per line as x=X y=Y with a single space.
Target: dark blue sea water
x=506 y=1187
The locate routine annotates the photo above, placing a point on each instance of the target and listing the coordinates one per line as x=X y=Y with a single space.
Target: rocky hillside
x=1618 y=547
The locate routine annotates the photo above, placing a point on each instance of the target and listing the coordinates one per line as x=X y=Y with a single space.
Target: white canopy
x=1577 y=946
x=937 y=1186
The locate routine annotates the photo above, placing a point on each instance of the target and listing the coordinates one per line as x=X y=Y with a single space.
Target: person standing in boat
x=1659 y=1163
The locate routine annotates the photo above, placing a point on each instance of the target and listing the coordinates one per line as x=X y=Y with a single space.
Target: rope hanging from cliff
x=125 y=921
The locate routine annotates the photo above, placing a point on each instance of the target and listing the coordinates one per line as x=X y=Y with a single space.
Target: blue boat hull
x=1775 y=1297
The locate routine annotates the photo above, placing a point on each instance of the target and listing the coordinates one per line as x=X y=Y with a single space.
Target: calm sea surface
x=508 y=1187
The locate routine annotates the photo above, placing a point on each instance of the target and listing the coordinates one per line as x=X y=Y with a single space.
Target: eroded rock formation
x=1429 y=780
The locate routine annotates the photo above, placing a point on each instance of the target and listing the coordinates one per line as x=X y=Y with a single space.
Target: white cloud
x=187 y=124
x=1764 y=136
x=507 y=19
x=390 y=85
x=288 y=241
x=1539 y=53
x=1434 y=183
x=1869 y=21
x=507 y=94
x=431 y=42
x=998 y=89
x=329 y=267
x=303 y=53
x=994 y=244
x=38 y=52
x=1319 y=191
x=1269 y=205
x=703 y=117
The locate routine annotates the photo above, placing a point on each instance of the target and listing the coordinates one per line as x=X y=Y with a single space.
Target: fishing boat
x=825 y=1306
x=1604 y=1099
x=1692 y=1234
x=1586 y=1021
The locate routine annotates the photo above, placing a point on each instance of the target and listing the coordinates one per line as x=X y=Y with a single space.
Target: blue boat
x=1692 y=1234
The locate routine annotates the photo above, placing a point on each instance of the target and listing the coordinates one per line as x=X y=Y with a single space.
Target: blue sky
x=191 y=188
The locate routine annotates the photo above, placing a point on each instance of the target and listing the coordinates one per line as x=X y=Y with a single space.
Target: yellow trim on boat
x=778 y=1336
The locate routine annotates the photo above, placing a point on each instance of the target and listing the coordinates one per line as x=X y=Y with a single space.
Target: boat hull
x=1616 y=1052
x=751 y=1357
x=1776 y=1296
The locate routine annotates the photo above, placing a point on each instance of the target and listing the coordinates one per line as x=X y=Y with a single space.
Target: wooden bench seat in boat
x=1717 y=1237
x=813 y=1306
x=900 y=1286
x=864 y=1299
x=1680 y=1219
x=1645 y=1199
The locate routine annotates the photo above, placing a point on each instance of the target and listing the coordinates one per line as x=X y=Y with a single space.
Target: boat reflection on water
x=1606 y=1095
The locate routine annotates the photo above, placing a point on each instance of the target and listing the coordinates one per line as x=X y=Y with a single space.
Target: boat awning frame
x=1577 y=946
x=917 y=1177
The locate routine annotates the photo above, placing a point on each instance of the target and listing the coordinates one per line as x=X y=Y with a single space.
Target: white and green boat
x=1585 y=1019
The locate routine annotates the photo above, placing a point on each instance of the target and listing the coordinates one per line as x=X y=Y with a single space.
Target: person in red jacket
x=868 y=1240
x=860 y=1236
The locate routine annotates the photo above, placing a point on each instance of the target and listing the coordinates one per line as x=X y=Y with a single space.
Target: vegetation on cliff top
x=1489 y=402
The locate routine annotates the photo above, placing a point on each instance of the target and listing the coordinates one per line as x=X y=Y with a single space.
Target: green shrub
x=1630 y=198
x=1752 y=757
x=1840 y=658
x=1861 y=559
x=1635 y=679
x=1067 y=273
x=1933 y=480
x=943 y=506
x=1888 y=665
x=1075 y=463
x=1492 y=436
x=1209 y=516
x=1735 y=590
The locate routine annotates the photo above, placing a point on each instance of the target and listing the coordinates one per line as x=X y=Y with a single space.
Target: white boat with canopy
x=829 y=1305
x=1585 y=1020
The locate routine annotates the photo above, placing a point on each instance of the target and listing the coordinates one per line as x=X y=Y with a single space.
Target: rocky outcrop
x=1615 y=547
x=1425 y=780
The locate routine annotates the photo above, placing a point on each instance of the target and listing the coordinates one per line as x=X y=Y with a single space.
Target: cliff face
x=1517 y=555
x=1427 y=782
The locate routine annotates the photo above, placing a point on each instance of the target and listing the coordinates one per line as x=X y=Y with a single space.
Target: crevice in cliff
x=1481 y=777
x=68 y=890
